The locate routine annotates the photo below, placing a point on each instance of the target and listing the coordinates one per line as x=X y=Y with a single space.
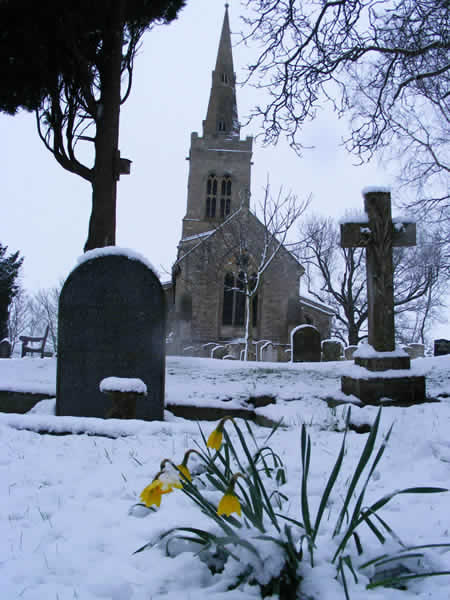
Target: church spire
x=221 y=117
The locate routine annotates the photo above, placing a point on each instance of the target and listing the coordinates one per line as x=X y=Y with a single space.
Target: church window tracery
x=225 y=196
x=218 y=196
x=233 y=312
x=211 y=196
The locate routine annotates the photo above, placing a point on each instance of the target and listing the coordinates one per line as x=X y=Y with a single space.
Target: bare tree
x=18 y=317
x=382 y=63
x=340 y=278
x=46 y=305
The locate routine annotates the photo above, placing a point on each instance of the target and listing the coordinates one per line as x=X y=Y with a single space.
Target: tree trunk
x=353 y=336
x=102 y=223
x=249 y=352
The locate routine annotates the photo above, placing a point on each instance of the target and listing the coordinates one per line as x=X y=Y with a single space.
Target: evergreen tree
x=9 y=270
x=72 y=62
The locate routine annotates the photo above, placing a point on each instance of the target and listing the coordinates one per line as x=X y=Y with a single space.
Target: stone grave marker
x=112 y=318
x=332 y=350
x=269 y=353
x=415 y=350
x=349 y=352
x=5 y=348
x=441 y=347
x=305 y=343
x=378 y=233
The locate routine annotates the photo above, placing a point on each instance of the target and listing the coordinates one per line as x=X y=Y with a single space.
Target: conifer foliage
x=72 y=62
x=9 y=270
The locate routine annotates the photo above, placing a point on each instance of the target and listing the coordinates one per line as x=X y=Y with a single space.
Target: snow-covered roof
x=198 y=235
x=308 y=300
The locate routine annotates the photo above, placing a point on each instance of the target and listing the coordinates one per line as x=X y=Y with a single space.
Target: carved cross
x=378 y=235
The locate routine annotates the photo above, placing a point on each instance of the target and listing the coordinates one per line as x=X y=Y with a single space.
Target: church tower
x=220 y=162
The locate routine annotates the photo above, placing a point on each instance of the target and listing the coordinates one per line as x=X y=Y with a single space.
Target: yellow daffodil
x=185 y=471
x=229 y=504
x=152 y=493
x=215 y=439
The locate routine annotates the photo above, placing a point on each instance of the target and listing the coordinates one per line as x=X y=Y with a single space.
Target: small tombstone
x=269 y=353
x=234 y=350
x=305 y=342
x=349 y=352
x=331 y=350
x=441 y=347
x=415 y=350
x=112 y=317
x=219 y=351
x=5 y=348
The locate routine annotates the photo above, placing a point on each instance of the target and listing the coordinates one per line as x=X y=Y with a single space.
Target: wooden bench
x=26 y=339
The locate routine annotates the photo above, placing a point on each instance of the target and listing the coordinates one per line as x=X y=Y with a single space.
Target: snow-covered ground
x=68 y=520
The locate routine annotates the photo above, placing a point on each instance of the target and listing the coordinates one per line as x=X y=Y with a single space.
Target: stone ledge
x=384 y=363
x=401 y=391
x=20 y=402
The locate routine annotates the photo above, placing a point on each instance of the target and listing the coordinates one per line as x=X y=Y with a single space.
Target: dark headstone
x=332 y=350
x=5 y=348
x=112 y=317
x=305 y=341
x=441 y=347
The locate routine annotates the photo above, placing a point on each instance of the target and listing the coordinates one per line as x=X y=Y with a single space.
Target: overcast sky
x=45 y=210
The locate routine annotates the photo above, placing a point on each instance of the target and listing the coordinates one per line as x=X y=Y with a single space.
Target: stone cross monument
x=378 y=233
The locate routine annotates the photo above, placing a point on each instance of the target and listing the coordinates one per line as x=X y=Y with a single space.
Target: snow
x=368 y=351
x=374 y=189
x=116 y=251
x=69 y=518
x=123 y=384
x=353 y=215
x=198 y=235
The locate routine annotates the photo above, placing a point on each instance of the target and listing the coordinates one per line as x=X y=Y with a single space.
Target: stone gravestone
x=378 y=234
x=332 y=350
x=350 y=351
x=441 y=347
x=305 y=343
x=112 y=317
x=5 y=348
x=415 y=350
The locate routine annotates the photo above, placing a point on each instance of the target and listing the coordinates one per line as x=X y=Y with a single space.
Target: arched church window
x=234 y=299
x=211 y=196
x=239 y=301
x=224 y=77
x=228 y=297
x=225 y=196
x=221 y=125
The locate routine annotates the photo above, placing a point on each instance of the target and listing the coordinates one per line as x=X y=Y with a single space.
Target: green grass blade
x=329 y=487
x=401 y=578
x=364 y=459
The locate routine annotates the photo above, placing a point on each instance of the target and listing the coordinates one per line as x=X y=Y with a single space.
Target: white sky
x=45 y=210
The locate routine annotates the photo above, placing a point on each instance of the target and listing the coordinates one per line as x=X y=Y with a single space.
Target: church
x=223 y=242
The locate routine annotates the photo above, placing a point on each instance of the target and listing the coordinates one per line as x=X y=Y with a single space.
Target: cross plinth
x=378 y=234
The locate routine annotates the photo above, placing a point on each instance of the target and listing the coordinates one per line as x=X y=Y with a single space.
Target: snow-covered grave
x=69 y=519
